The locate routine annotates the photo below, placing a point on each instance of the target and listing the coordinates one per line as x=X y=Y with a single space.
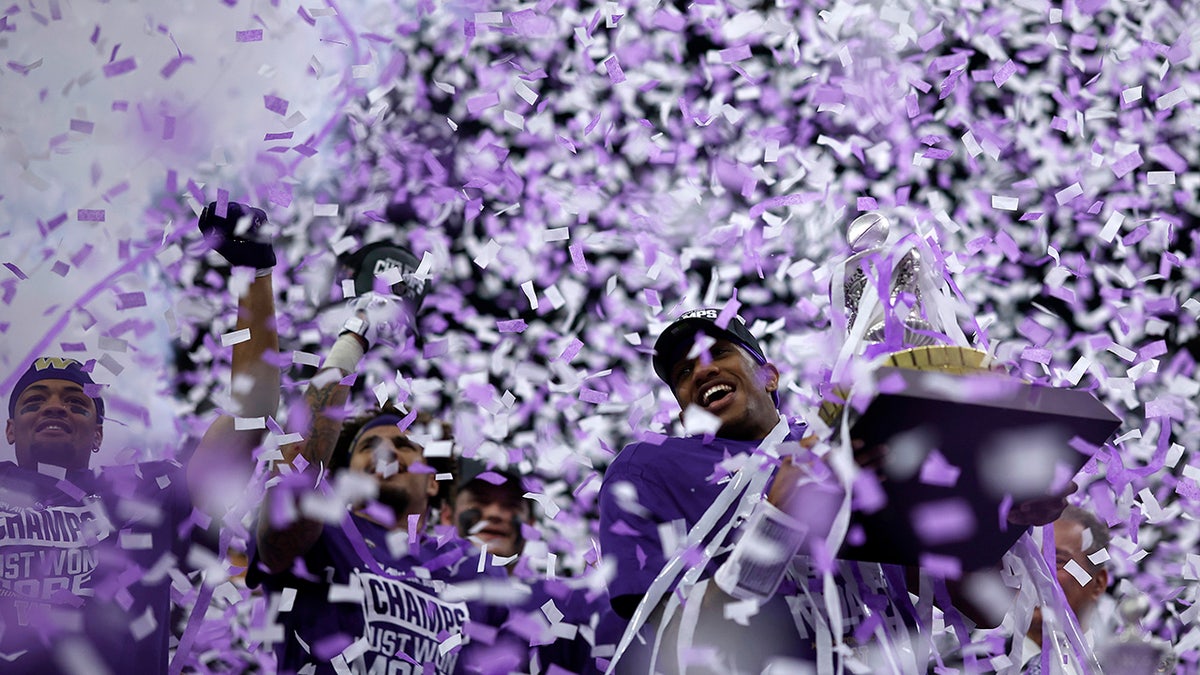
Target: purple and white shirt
x=83 y=566
x=357 y=607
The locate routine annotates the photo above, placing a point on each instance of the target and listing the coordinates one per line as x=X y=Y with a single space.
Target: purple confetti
x=90 y=215
x=131 y=300
x=1128 y=163
x=592 y=396
x=492 y=477
x=280 y=194
x=613 y=67
x=119 y=67
x=570 y=351
x=477 y=104
x=174 y=65
x=252 y=35
x=16 y=271
x=1006 y=71
x=275 y=104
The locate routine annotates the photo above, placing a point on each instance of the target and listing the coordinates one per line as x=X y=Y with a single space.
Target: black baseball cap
x=374 y=259
x=471 y=470
x=675 y=341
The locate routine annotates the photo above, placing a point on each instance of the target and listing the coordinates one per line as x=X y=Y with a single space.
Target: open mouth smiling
x=53 y=426
x=714 y=393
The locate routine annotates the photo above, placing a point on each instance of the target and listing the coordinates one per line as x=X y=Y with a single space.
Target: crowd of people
x=379 y=550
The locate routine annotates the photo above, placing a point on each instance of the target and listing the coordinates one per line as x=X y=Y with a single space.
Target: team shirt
x=84 y=567
x=361 y=605
x=654 y=493
x=652 y=486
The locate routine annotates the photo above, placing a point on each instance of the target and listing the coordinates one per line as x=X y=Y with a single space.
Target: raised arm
x=284 y=533
x=223 y=462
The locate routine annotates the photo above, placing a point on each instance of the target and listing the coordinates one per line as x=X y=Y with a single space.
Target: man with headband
x=343 y=546
x=85 y=553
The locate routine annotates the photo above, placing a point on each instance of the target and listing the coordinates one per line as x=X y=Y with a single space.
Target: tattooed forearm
x=279 y=545
x=325 y=399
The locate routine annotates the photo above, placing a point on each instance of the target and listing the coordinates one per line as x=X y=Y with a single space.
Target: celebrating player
x=723 y=373
x=85 y=553
x=343 y=541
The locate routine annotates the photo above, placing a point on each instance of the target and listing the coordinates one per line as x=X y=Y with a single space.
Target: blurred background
x=580 y=173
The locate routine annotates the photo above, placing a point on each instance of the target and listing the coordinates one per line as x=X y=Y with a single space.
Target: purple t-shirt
x=83 y=566
x=676 y=480
x=391 y=614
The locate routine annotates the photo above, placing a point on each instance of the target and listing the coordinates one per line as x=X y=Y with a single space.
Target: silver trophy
x=939 y=393
x=1135 y=652
x=867 y=236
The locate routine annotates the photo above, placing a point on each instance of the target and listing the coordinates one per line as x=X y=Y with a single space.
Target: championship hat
x=677 y=339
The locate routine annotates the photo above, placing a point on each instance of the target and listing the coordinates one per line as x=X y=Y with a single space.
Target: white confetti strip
x=1160 y=177
x=235 y=337
x=1076 y=570
x=1004 y=203
x=248 y=423
x=1068 y=193
x=1112 y=226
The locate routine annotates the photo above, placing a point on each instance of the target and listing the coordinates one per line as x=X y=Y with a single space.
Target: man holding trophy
x=772 y=568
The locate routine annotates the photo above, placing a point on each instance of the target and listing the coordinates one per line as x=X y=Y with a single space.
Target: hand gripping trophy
x=1136 y=651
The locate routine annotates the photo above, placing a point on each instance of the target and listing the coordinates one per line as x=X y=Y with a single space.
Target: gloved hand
x=375 y=317
x=247 y=246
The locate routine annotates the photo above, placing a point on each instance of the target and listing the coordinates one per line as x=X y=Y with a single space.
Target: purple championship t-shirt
x=676 y=480
x=83 y=567
x=652 y=485
x=394 y=613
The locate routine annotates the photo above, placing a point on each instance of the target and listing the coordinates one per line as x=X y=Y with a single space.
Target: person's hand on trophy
x=1041 y=510
x=870 y=456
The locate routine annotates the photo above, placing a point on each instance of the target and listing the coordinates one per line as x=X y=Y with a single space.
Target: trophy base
x=1000 y=439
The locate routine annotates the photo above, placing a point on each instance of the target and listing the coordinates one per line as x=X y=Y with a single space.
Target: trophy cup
x=1134 y=652
x=932 y=395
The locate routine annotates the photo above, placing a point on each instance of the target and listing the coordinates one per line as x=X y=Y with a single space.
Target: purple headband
x=386 y=418
x=56 y=368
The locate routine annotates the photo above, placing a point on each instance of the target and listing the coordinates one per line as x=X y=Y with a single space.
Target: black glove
x=252 y=248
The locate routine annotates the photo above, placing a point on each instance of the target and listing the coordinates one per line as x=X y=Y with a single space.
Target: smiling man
x=53 y=419
x=652 y=487
x=656 y=492
x=85 y=551
x=343 y=536
x=1078 y=534
x=490 y=507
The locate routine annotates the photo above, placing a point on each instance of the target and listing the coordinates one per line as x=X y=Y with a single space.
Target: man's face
x=492 y=514
x=729 y=383
x=1068 y=546
x=387 y=454
x=54 y=422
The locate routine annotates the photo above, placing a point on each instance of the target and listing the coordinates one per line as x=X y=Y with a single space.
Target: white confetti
x=1076 y=570
x=248 y=423
x=1004 y=203
x=235 y=337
